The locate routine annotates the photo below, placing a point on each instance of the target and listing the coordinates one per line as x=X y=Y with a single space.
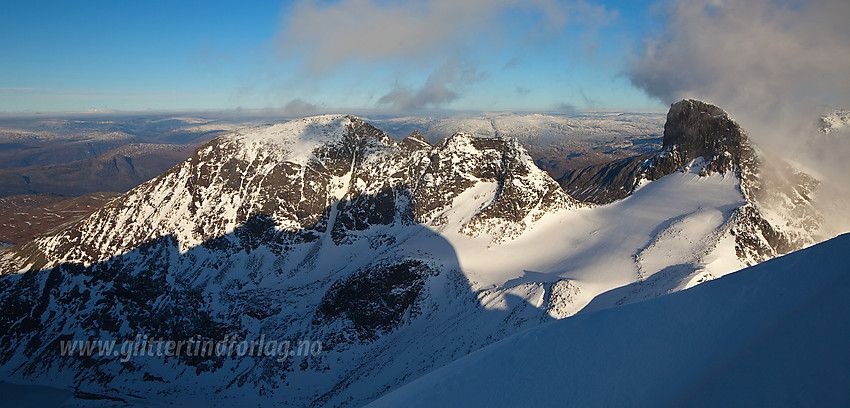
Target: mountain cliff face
x=377 y=261
x=703 y=135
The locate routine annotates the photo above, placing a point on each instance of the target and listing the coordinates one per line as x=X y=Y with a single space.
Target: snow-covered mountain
x=775 y=334
x=321 y=229
x=396 y=258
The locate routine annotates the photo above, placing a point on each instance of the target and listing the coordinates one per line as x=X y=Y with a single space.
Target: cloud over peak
x=750 y=52
x=440 y=88
x=774 y=65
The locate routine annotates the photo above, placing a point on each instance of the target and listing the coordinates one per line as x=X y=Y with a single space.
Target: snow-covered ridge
x=297 y=173
x=297 y=138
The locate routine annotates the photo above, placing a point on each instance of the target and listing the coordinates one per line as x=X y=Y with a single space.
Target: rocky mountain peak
x=696 y=125
x=417 y=136
x=512 y=192
x=695 y=129
x=298 y=140
x=415 y=141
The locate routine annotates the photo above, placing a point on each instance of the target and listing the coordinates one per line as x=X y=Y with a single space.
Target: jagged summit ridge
x=330 y=173
x=296 y=140
x=503 y=182
x=317 y=128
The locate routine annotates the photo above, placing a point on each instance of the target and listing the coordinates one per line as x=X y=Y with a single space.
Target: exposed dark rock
x=694 y=129
x=415 y=141
x=607 y=182
x=376 y=299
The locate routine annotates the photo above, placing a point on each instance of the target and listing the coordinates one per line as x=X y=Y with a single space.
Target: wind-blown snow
x=775 y=334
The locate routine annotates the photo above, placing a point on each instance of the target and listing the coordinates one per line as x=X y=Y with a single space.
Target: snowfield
x=676 y=222
x=774 y=334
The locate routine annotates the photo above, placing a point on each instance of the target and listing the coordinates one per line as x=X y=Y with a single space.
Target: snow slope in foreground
x=775 y=334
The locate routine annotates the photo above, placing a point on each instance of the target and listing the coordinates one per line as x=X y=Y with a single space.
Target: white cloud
x=429 y=36
x=759 y=59
x=440 y=88
x=370 y=30
x=774 y=65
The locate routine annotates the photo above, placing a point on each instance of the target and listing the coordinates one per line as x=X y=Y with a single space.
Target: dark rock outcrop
x=694 y=130
x=375 y=299
x=606 y=182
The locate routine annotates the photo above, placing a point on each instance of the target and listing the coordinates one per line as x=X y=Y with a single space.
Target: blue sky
x=306 y=56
